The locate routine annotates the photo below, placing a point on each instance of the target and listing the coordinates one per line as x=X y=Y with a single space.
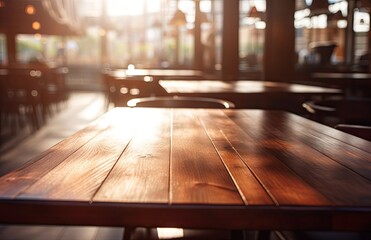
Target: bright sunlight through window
x=129 y=7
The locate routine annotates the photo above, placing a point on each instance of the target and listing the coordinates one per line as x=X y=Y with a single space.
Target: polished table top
x=120 y=73
x=242 y=86
x=339 y=75
x=197 y=168
x=251 y=94
x=353 y=84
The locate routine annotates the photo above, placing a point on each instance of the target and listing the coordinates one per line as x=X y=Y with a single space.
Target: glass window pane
x=320 y=36
x=251 y=35
x=29 y=48
x=3 y=53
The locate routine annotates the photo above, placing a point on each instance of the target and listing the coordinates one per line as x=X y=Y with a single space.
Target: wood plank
x=336 y=182
x=284 y=186
x=36 y=168
x=198 y=175
x=80 y=174
x=347 y=139
x=332 y=144
x=251 y=190
x=142 y=172
x=211 y=153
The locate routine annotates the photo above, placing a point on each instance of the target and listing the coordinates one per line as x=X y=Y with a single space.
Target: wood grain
x=36 y=168
x=319 y=130
x=196 y=168
x=298 y=152
x=198 y=175
x=283 y=184
x=80 y=174
x=250 y=188
x=142 y=172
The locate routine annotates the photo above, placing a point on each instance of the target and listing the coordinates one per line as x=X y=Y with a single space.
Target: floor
x=80 y=109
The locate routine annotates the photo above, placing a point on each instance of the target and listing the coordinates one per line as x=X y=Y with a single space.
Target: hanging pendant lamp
x=179 y=19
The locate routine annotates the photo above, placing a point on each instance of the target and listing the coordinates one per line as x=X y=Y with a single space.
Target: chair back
x=121 y=90
x=356 y=130
x=180 y=102
x=350 y=111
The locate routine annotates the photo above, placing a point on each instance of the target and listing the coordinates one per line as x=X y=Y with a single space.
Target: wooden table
x=140 y=83
x=340 y=76
x=156 y=74
x=196 y=168
x=354 y=84
x=251 y=94
x=242 y=86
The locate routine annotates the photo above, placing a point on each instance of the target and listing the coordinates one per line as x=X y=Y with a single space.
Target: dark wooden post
x=349 y=41
x=279 y=55
x=230 y=57
x=198 y=48
x=11 y=48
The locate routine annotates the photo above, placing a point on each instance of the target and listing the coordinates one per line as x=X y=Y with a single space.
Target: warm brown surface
x=242 y=86
x=156 y=73
x=251 y=94
x=236 y=169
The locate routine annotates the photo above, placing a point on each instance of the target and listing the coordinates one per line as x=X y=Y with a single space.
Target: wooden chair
x=124 y=89
x=335 y=111
x=180 y=102
x=54 y=88
x=21 y=98
x=356 y=130
x=322 y=111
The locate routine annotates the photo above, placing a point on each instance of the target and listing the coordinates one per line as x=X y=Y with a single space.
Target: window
x=157 y=33
x=330 y=29
x=251 y=34
x=41 y=48
x=3 y=54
